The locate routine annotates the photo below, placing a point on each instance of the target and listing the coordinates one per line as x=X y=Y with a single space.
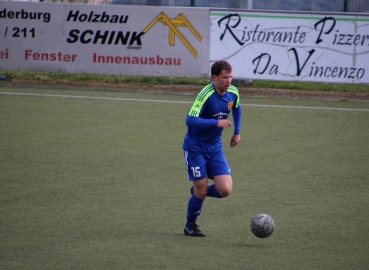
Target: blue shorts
x=200 y=165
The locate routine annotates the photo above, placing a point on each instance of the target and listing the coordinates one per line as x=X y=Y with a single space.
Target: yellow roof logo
x=179 y=21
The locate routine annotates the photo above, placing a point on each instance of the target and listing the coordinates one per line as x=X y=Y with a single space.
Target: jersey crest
x=230 y=105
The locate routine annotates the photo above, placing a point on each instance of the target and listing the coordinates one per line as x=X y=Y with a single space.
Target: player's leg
x=200 y=188
x=219 y=170
x=196 y=200
x=223 y=184
x=197 y=173
x=194 y=208
x=196 y=170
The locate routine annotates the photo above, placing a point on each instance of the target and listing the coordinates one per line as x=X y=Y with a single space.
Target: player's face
x=222 y=82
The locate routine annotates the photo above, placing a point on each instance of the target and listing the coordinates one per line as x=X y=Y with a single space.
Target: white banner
x=127 y=40
x=164 y=41
x=292 y=46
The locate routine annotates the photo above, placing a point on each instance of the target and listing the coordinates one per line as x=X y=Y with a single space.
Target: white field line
x=178 y=102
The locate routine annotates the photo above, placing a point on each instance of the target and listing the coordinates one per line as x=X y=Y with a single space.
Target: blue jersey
x=202 y=119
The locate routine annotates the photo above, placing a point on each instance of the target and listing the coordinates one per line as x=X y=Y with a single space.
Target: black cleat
x=192 y=229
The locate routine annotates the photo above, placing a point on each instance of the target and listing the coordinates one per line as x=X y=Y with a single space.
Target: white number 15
x=196 y=171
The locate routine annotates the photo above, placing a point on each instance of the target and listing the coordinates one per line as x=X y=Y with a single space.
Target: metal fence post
x=249 y=4
x=345 y=4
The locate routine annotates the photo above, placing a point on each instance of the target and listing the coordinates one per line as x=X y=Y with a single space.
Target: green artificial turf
x=100 y=183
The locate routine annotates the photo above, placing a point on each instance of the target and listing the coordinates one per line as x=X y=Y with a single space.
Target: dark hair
x=218 y=66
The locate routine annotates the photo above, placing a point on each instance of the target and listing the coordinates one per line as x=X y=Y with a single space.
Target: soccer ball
x=262 y=225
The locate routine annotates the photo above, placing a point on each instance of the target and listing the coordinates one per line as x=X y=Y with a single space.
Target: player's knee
x=200 y=192
x=225 y=192
x=224 y=185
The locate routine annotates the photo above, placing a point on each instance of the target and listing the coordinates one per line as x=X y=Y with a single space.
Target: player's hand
x=224 y=123
x=236 y=138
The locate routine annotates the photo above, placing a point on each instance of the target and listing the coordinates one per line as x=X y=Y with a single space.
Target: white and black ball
x=262 y=225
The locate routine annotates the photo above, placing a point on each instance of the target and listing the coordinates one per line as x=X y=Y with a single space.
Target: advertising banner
x=292 y=46
x=28 y=30
x=104 y=39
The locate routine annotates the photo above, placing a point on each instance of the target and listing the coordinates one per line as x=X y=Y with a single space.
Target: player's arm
x=192 y=121
x=193 y=118
x=237 y=117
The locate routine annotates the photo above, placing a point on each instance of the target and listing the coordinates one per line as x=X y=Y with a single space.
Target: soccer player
x=203 y=148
